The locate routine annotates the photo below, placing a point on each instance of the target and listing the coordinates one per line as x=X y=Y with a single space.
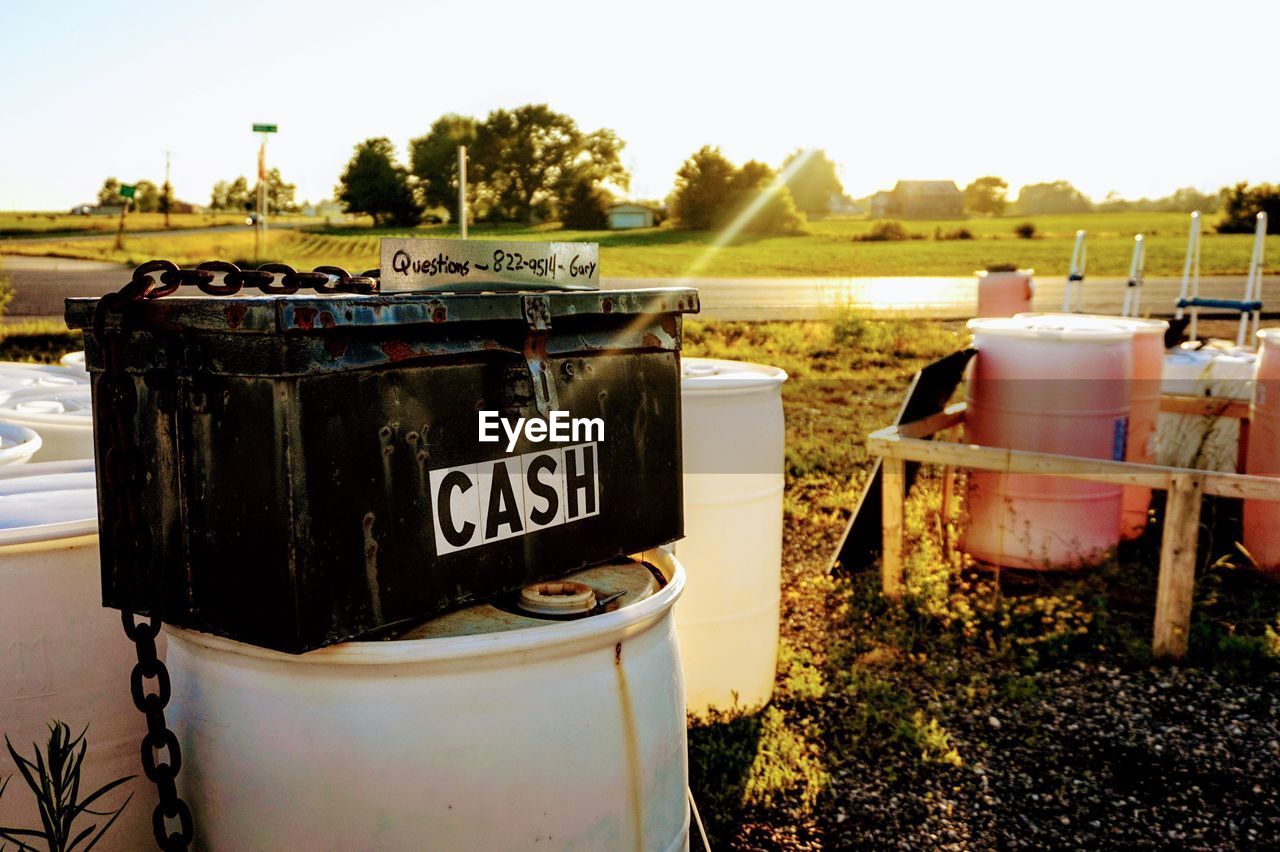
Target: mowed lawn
x=832 y=247
x=18 y=225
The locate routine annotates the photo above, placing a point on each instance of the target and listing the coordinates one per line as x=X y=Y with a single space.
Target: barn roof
x=933 y=188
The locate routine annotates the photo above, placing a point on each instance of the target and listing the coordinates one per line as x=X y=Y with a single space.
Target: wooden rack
x=914 y=442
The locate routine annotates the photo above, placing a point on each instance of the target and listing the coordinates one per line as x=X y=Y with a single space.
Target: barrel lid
x=15 y=438
x=1189 y=357
x=73 y=360
x=54 y=406
x=43 y=502
x=1050 y=331
x=714 y=374
x=624 y=583
x=19 y=375
x=1138 y=325
x=983 y=273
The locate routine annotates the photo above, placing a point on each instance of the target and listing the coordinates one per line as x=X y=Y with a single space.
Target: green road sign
x=127 y=190
x=264 y=128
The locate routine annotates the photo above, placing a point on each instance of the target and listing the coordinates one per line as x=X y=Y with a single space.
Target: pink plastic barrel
x=1048 y=388
x=1003 y=294
x=1261 y=517
x=1144 y=405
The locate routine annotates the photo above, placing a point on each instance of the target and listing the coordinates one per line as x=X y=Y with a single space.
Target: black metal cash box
x=311 y=465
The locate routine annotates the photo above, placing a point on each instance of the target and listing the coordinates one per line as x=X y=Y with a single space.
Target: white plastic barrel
x=17 y=444
x=62 y=656
x=62 y=417
x=1060 y=389
x=20 y=375
x=73 y=360
x=1262 y=517
x=490 y=730
x=1144 y=404
x=732 y=444
x=1203 y=442
x=1004 y=293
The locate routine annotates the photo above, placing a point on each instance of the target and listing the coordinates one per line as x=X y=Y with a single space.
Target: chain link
x=129 y=540
x=124 y=473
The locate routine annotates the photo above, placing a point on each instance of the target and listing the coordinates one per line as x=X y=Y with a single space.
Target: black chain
x=128 y=538
x=129 y=541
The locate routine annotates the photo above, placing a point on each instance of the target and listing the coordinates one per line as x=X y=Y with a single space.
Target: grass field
x=831 y=248
x=18 y=225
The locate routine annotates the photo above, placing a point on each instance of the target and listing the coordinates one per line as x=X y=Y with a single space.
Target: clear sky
x=1137 y=97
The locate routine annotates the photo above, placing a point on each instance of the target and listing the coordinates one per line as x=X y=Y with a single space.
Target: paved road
x=42 y=283
x=939 y=298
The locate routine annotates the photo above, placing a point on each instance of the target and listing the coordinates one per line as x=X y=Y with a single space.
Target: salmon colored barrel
x=1004 y=293
x=1043 y=387
x=1144 y=406
x=1261 y=517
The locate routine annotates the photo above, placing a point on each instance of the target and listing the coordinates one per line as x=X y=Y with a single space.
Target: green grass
x=18 y=225
x=831 y=248
x=41 y=341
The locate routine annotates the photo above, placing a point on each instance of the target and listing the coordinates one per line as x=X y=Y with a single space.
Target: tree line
x=988 y=196
x=523 y=165
x=533 y=164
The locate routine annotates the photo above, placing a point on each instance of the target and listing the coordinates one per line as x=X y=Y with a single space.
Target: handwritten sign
x=461 y=265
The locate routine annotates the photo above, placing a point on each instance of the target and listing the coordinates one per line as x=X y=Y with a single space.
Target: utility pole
x=168 y=194
x=462 y=188
x=260 y=227
x=127 y=192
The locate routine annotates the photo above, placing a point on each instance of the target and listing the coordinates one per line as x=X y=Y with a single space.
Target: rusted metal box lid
x=308 y=469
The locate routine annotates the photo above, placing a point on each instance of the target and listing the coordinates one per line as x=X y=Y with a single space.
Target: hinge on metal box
x=537 y=314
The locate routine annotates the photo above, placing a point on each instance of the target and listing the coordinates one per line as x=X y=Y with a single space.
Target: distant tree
x=1242 y=204
x=279 y=194
x=813 y=181
x=375 y=184
x=529 y=158
x=986 y=196
x=1057 y=197
x=766 y=202
x=1184 y=200
x=232 y=196
x=147 y=197
x=218 y=195
x=586 y=208
x=710 y=193
x=703 y=190
x=109 y=195
x=433 y=158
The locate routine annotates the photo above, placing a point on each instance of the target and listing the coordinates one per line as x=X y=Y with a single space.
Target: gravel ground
x=1101 y=758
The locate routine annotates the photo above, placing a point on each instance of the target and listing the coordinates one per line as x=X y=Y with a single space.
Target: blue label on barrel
x=1118 y=433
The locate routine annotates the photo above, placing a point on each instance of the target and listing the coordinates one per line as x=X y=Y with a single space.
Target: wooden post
x=124 y=211
x=1177 y=566
x=944 y=512
x=893 y=482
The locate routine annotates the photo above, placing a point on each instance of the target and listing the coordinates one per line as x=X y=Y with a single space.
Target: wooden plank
x=1177 y=567
x=1215 y=483
x=1204 y=406
x=893 y=492
x=1018 y=461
